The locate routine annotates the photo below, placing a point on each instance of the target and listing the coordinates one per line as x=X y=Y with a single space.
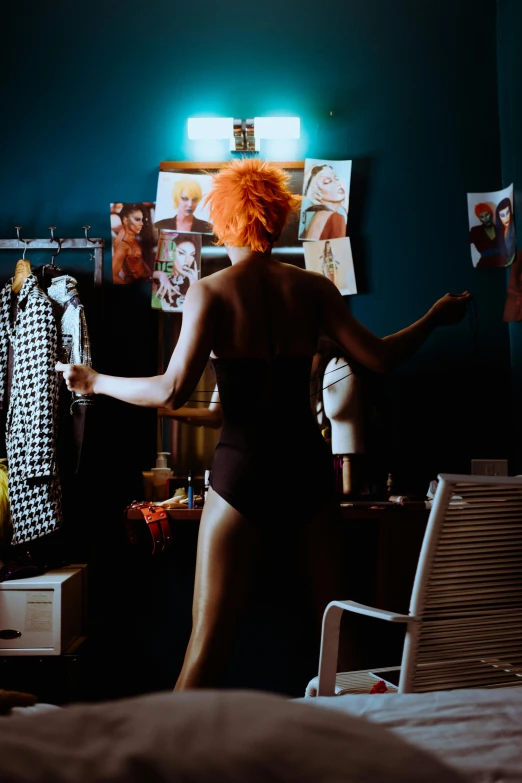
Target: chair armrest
x=371 y=611
x=330 y=637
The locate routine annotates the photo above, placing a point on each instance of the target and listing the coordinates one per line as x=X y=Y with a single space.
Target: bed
x=253 y=737
x=472 y=736
x=207 y=737
x=478 y=732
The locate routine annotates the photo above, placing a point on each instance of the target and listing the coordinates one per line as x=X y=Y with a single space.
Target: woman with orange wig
x=259 y=321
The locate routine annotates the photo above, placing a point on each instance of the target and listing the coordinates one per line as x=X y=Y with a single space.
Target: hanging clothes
x=32 y=409
x=74 y=347
x=74 y=341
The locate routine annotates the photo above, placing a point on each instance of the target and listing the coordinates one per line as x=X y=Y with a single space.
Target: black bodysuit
x=271 y=462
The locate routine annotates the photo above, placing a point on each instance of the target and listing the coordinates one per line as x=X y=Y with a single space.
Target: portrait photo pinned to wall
x=492 y=228
x=134 y=241
x=179 y=202
x=177 y=266
x=326 y=193
x=333 y=259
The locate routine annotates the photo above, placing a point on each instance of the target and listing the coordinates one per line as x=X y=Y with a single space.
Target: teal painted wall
x=98 y=94
x=510 y=109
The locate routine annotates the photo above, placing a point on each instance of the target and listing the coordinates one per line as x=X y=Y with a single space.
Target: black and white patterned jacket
x=34 y=487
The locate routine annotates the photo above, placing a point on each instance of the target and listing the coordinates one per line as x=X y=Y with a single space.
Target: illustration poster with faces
x=333 y=259
x=134 y=239
x=492 y=228
x=180 y=203
x=326 y=192
x=177 y=266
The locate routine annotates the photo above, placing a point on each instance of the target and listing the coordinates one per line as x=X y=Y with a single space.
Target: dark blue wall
x=510 y=106
x=98 y=94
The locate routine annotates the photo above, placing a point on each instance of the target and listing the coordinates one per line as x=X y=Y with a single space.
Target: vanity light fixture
x=244 y=135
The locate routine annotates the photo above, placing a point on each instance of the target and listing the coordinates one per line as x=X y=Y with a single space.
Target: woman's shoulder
x=300 y=278
x=334 y=227
x=205 y=289
x=317 y=223
x=120 y=242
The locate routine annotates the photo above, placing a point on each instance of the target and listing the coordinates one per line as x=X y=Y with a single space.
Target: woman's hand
x=165 y=287
x=78 y=377
x=190 y=272
x=450 y=309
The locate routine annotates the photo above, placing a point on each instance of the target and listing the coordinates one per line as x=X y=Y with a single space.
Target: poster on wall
x=326 y=192
x=333 y=259
x=177 y=266
x=180 y=202
x=492 y=228
x=134 y=240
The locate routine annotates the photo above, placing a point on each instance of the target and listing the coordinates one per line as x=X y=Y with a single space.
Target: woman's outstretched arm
x=383 y=353
x=174 y=387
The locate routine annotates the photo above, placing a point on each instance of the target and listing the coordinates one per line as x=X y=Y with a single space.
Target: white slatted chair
x=464 y=627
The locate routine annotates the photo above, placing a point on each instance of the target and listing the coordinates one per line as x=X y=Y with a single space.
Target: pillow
x=208 y=737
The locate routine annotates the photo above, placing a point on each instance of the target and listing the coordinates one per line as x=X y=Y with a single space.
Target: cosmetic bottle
x=207 y=485
x=162 y=473
x=190 y=490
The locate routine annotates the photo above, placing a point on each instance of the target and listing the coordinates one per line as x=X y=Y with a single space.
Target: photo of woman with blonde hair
x=324 y=211
x=184 y=195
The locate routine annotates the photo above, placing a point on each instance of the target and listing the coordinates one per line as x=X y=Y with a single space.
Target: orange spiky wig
x=482 y=207
x=250 y=202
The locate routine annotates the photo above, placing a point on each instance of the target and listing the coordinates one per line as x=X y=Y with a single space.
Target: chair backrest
x=467 y=594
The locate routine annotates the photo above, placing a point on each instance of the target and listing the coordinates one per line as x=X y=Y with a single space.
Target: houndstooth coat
x=34 y=486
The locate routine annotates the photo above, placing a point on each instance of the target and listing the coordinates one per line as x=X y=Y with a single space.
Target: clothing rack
x=95 y=246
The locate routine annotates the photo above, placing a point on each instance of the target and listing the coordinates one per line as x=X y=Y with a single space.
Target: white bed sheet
x=478 y=732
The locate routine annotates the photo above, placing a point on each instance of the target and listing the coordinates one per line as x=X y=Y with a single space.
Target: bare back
x=260 y=308
x=264 y=308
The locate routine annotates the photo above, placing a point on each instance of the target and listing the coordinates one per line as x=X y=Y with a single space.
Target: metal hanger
x=87 y=237
x=20 y=239
x=55 y=239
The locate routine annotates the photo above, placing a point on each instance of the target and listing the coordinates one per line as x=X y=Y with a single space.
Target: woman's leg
x=228 y=545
